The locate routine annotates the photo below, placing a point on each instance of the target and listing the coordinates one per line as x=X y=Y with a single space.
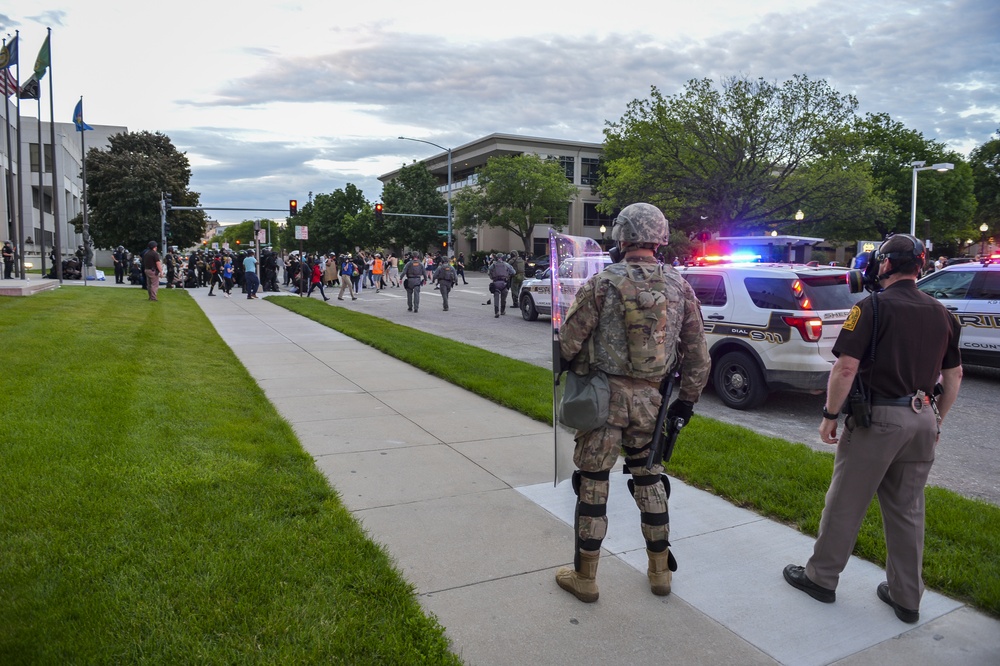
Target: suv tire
x=528 y=310
x=738 y=381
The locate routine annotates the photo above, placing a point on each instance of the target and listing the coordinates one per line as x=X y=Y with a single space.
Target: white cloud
x=271 y=102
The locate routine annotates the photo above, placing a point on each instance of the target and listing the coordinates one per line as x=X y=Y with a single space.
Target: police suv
x=770 y=327
x=535 y=297
x=971 y=291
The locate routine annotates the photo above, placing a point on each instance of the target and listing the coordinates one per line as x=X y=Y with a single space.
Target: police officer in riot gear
x=888 y=440
x=631 y=321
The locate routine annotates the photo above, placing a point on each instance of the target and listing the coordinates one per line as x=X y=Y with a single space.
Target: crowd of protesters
x=301 y=273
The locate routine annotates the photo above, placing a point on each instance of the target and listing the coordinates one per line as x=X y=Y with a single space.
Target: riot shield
x=572 y=261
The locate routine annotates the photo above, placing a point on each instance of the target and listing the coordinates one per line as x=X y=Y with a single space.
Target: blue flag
x=78 y=118
x=8 y=54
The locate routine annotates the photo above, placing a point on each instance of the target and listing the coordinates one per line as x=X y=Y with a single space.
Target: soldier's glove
x=680 y=408
x=563 y=365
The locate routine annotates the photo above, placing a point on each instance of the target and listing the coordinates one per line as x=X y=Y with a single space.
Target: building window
x=47 y=199
x=594 y=218
x=568 y=163
x=33 y=150
x=588 y=170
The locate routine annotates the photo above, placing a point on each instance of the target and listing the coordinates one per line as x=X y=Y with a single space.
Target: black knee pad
x=649 y=481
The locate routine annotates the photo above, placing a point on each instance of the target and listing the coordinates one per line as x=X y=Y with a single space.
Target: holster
x=858 y=404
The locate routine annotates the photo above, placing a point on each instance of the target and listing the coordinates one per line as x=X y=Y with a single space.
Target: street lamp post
x=448 y=247
x=604 y=229
x=919 y=166
x=983 y=228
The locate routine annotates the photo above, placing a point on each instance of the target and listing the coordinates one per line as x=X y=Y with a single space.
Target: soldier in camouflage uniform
x=632 y=321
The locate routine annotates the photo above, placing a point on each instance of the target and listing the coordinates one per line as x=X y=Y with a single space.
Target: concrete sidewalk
x=459 y=490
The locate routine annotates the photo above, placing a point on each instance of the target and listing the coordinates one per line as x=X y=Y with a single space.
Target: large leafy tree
x=945 y=200
x=337 y=222
x=985 y=163
x=123 y=192
x=516 y=193
x=744 y=156
x=408 y=196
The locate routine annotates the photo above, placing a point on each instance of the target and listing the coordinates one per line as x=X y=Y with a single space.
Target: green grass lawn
x=156 y=508
x=775 y=478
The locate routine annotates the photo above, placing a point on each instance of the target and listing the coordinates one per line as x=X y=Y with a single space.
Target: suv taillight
x=811 y=328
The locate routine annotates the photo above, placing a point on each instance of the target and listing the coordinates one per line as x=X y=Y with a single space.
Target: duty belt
x=915 y=402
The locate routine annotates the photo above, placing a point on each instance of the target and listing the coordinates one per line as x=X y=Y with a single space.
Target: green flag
x=42 y=61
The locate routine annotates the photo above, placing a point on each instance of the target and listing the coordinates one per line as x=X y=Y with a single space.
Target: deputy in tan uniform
x=632 y=321
x=893 y=456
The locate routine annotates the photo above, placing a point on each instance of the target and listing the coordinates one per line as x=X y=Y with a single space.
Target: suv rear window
x=816 y=292
x=989 y=288
x=709 y=289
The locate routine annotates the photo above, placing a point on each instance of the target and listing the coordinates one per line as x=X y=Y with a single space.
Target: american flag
x=8 y=84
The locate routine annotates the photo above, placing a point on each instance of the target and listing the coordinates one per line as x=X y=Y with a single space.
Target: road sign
x=301 y=233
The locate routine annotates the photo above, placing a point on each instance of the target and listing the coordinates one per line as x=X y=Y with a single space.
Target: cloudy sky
x=274 y=100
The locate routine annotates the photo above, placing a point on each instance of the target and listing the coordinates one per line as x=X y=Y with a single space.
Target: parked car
x=971 y=291
x=536 y=265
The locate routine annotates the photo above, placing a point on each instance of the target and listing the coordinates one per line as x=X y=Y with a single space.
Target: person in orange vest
x=378 y=271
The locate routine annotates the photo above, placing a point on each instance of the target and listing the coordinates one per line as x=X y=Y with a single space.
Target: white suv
x=770 y=327
x=535 y=297
x=972 y=293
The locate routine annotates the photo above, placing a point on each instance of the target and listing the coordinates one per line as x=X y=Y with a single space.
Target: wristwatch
x=828 y=415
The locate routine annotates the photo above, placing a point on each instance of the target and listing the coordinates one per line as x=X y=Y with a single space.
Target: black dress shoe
x=797 y=578
x=904 y=614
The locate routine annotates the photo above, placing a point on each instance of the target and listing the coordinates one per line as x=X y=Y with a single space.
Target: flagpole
x=9 y=180
x=20 y=182
x=83 y=160
x=56 y=185
x=41 y=186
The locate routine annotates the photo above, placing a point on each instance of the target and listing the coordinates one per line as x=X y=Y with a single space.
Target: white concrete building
x=37 y=191
x=579 y=159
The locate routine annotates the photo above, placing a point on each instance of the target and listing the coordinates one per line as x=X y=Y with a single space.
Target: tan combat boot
x=659 y=572
x=581 y=584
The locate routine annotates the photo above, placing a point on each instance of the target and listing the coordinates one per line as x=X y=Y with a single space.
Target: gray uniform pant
x=892 y=458
x=500 y=301
x=445 y=288
x=413 y=297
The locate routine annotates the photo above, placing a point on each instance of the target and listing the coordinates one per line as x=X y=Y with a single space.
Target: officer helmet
x=641 y=223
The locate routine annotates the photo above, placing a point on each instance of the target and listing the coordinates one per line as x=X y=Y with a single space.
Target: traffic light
x=379 y=217
x=237 y=241
x=704 y=236
x=293 y=207
x=166 y=229
x=168 y=201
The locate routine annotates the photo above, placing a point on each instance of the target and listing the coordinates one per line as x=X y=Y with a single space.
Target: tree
x=985 y=163
x=123 y=192
x=414 y=192
x=337 y=222
x=946 y=199
x=242 y=232
x=516 y=193
x=744 y=157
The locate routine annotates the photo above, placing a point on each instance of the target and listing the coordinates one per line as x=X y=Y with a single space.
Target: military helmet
x=641 y=223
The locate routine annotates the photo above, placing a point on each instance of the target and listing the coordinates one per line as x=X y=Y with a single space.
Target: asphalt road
x=968 y=456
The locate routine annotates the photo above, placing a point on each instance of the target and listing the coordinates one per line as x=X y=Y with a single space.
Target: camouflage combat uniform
x=640 y=317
